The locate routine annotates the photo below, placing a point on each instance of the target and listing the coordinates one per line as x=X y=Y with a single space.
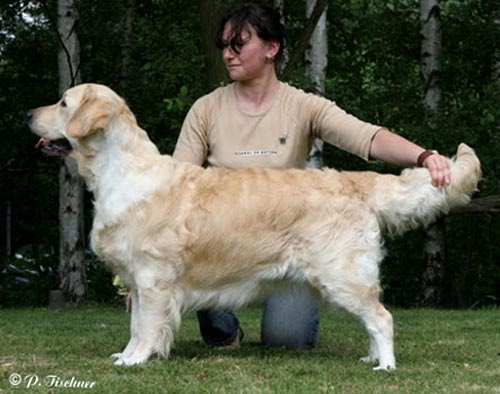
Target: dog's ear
x=94 y=113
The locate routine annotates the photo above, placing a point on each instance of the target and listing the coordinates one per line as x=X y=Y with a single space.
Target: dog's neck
x=124 y=169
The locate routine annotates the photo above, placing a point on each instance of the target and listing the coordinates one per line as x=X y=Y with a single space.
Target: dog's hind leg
x=363 y=302
x=379 y=325
x=159 y=317
x=134 y=328
x=348 y=276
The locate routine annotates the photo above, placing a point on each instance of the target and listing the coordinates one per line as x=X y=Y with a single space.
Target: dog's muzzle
x=59 y=147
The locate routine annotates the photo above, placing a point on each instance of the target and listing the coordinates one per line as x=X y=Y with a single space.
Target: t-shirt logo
x=257 y=152
x=283 y=137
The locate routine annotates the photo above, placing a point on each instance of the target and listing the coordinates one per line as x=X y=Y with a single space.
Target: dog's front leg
x=373 y=354
x=158 y=322
x=134 y=327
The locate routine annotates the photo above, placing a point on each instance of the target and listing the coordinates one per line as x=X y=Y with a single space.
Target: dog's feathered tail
x=409 y=200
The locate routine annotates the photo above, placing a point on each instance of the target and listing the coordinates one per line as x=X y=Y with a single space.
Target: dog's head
x=83 y=111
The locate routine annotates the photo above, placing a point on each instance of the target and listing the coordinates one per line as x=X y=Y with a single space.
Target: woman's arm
x=394 y=149
x=192 y=144
x=335 y=126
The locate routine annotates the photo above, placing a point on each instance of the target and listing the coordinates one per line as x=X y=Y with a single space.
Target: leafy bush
x=26 y=280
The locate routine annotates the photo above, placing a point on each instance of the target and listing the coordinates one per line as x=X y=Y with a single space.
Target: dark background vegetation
x=373 y=72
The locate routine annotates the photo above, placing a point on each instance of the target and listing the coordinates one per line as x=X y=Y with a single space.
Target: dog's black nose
x=28 y=116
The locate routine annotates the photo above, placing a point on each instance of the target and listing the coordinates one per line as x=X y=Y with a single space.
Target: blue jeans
x=290 y=319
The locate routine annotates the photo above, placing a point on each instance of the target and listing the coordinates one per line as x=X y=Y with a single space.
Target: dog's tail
x=409 y=200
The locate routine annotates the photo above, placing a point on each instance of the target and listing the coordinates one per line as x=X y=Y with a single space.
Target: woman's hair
x=264 y=19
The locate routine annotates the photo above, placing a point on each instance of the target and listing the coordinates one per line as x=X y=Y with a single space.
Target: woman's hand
x=439 y=169
x=394 y=149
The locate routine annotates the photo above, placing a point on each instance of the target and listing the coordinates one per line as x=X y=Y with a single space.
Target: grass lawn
x=437 y=352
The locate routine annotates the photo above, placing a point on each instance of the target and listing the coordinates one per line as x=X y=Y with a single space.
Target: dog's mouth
x=60 y=147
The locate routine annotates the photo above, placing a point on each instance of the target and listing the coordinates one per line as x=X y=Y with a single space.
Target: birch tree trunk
x=434 y=248
x=296 y=55
x=316 y=57
x=72 y=245
x=430 y=23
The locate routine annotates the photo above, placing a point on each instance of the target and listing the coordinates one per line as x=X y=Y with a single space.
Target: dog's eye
x=63 y=103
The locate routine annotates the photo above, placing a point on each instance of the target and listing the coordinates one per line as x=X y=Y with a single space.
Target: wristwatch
x=424 y=155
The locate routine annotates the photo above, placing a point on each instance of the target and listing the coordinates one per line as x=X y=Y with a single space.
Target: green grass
x=437 y=352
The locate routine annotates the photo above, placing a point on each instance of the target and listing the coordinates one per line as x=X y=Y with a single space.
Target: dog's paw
x=369 y=359
x=116 y=356
x=119 y=361
x=134 y=359
x=125 y=361
x=385 y=368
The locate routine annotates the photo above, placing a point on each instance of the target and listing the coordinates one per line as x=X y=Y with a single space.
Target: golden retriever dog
x=183 y=237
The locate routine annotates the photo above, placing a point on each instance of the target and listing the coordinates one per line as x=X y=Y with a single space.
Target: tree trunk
x=316 y=57
x=316 y=54
x=127 y=42
x=495 y=74
x=211 y=13
x=431 y=64
x=430 y=23
x=432 y=278
x=72 y=245
x=495 y=66
x=303 y=42
x=280 y=6
x=8 y=228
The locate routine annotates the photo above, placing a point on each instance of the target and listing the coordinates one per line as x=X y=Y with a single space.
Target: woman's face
x=252 y=61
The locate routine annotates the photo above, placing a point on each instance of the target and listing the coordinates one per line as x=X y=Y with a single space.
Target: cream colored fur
x=184 y=237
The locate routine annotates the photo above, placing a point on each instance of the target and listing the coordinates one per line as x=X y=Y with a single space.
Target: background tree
x=430 y=21
x=298 y=50
x=316 y=61
x=72 y=243
x=280 y=6
x=211 y=12
x=128 y=42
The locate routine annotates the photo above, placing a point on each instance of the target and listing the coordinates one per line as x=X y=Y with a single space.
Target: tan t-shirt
x=217 y=132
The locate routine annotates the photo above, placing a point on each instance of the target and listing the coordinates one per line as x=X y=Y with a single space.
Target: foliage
x=373 y=72
x=100 y=282
x=27 y=278
x=28 y=79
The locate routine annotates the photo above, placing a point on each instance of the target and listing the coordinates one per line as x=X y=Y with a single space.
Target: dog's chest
x=115 y=228
x=112 y=244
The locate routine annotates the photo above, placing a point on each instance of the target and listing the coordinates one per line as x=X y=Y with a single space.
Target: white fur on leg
x=159 y=320
x=380 y=327
x=134 y=328
x=373 y=354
